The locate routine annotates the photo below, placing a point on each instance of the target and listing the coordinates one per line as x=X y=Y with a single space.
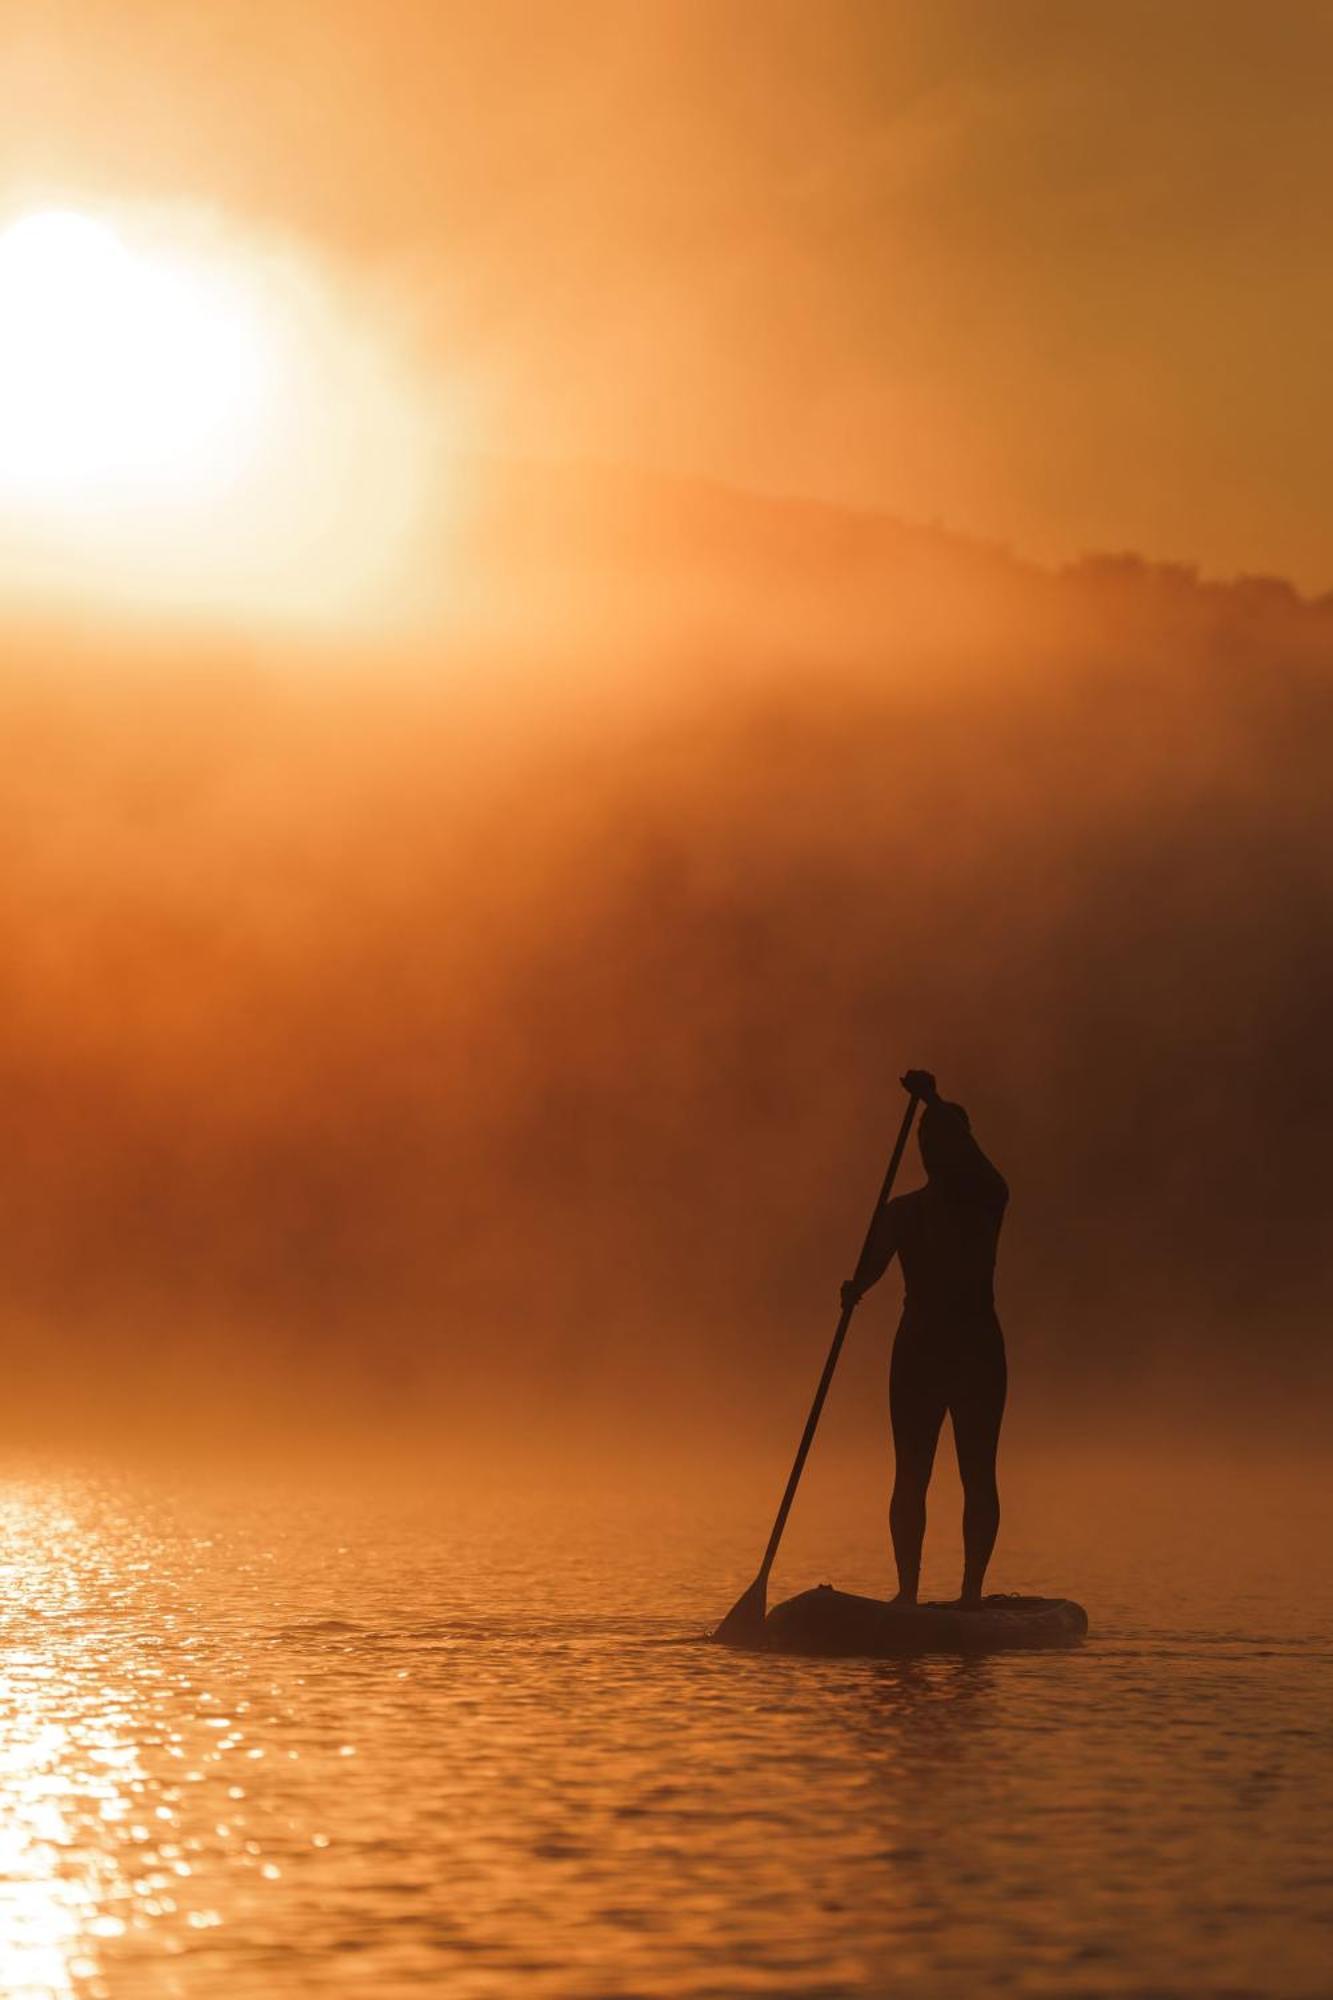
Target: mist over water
x=443 y=1088
x=510 y=1028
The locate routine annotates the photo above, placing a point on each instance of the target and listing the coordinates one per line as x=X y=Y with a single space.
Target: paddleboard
x=832 y=1624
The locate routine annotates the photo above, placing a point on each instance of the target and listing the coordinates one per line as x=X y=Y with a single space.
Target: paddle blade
x=744 y=1623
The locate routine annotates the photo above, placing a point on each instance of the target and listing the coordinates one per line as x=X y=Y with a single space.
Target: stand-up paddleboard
x=832 y=1624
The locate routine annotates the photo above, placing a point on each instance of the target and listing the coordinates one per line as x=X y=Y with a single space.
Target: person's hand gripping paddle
x=744 y=1623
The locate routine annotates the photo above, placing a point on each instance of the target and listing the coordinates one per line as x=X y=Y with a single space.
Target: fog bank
x=443 y=1041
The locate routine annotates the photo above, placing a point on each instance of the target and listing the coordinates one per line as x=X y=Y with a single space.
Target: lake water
x=377 y=1745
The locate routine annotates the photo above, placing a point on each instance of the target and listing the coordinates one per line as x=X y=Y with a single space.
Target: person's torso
x=947 y=1247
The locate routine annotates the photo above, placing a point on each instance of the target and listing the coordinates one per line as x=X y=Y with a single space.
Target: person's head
x=937 y=1135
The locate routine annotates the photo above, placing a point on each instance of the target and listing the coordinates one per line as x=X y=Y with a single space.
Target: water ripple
x=252 y=1754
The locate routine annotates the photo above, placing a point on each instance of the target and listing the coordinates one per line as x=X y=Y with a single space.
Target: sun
x=200 y=418
x=122 y=372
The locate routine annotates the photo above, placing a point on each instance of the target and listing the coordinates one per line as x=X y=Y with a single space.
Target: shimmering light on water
x=321 y=1747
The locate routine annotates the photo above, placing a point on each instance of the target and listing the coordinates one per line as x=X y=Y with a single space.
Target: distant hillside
x=586 y=535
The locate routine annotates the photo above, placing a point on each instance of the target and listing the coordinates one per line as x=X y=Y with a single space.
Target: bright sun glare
x=118 y=370
x=205 y=422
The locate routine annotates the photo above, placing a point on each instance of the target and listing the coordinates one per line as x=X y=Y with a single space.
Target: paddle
x=744 y=1623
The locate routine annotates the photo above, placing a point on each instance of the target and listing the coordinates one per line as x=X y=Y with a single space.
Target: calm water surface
x=317 y=1746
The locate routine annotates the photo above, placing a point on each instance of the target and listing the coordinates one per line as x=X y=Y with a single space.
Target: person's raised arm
x=948 y=1146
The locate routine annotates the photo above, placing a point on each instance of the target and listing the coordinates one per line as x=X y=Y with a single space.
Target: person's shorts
x=958 y=1371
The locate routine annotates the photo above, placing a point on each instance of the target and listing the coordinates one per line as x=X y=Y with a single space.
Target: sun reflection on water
x=59 y=1768
x=126 y=1805
x=89 y=1853
x=311 y=1753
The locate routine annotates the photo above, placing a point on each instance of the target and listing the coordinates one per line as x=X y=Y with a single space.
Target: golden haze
x=466 y=904
x=504 y=1028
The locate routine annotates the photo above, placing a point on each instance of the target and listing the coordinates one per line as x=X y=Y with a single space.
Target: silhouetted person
x=949 y=1350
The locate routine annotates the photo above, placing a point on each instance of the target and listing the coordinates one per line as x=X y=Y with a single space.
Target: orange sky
x=1052 y=273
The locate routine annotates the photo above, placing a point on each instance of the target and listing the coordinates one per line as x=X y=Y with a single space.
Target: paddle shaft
x=812 y=1421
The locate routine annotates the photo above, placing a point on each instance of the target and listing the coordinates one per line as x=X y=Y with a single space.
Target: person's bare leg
x=976 y=1436
x=907 y=1521
x=981 y=1524
x=917 y=1409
